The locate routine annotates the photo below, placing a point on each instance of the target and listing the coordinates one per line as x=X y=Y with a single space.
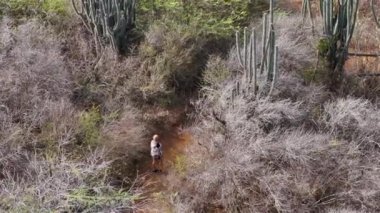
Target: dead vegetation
x=54 y=156
x=303 y=150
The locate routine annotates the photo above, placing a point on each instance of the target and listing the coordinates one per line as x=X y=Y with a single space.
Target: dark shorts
x=157 y=157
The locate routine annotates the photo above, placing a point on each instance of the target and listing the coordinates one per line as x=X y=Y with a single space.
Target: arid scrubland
x=304 y=149
x=75 y=125
x=52 y=152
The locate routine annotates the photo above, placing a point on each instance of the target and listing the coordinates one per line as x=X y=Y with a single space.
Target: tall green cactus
x=339 y=21
x=306 y=13
x=248 y=60
x=109 y=20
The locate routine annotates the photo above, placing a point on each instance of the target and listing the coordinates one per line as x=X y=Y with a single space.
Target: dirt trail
x=157 y=186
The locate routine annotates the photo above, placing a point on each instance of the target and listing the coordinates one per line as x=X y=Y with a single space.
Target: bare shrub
x=33 y=71
x=127 y=141
x=42 y=165
x=35 y=85
x=296 y=44
x=292 y=87
x=287 y=169
x=59 y=184
x=350 y=116
x=216 y=72
x=172 y=60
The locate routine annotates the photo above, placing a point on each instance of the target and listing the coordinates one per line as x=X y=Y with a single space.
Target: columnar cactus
x=108 y=20
x=248 y=60
x=377 y=20
x=339 y=22
x=306 y=9
x=306 y=13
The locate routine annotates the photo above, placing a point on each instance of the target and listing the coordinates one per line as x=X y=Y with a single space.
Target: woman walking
x=156 y=153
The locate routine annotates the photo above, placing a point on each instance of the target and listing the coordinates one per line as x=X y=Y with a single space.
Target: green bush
x=177 y=45
x=89 y=126
x=48 y=135
x=323 y=46
x=216 y=72
x=173 y=60
x=22 y=8
x=218 y=17
x=180 y=165
x=312 y=75
x=60 y=7
x=19 y=8
x=90 y=199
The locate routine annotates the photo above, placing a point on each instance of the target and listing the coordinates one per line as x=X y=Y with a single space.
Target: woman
x=156 y=153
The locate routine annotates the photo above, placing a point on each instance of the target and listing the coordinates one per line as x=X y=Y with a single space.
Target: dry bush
x=42 y=166
x=298 y=151
x=350 y=117
x=115 y=77
x=288 y=168
x=33 y=71
x=296 y=43
x=58 y=184
x=127 y=141
x=292 y=87
x=216 y=72
x=35 y=87
x=106 y=80
x=172 y=60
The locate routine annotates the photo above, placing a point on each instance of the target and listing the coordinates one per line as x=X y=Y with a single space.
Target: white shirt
x=153 y=144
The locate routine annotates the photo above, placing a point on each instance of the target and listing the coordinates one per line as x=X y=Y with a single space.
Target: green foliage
x=312 y=75
x=178 y=44
x=216 y=17
x=19 y=8
x=323 y=46
x=173 y=59
x=47 y=135
x=180 y=165
x=55 y=6
x=339 y=22
x=89 y=126
x=93 y=198
x=216 y=72
x=22 y=8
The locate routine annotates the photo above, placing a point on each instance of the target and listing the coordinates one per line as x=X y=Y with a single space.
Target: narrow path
x=157 y=187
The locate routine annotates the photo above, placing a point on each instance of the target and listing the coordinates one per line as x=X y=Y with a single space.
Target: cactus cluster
x=306 y=9
x=109 y=20
x=339 y=21
x=306 y=13
x=267 y=69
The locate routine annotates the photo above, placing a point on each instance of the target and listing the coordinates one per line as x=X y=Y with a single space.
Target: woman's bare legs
x=154 y=164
